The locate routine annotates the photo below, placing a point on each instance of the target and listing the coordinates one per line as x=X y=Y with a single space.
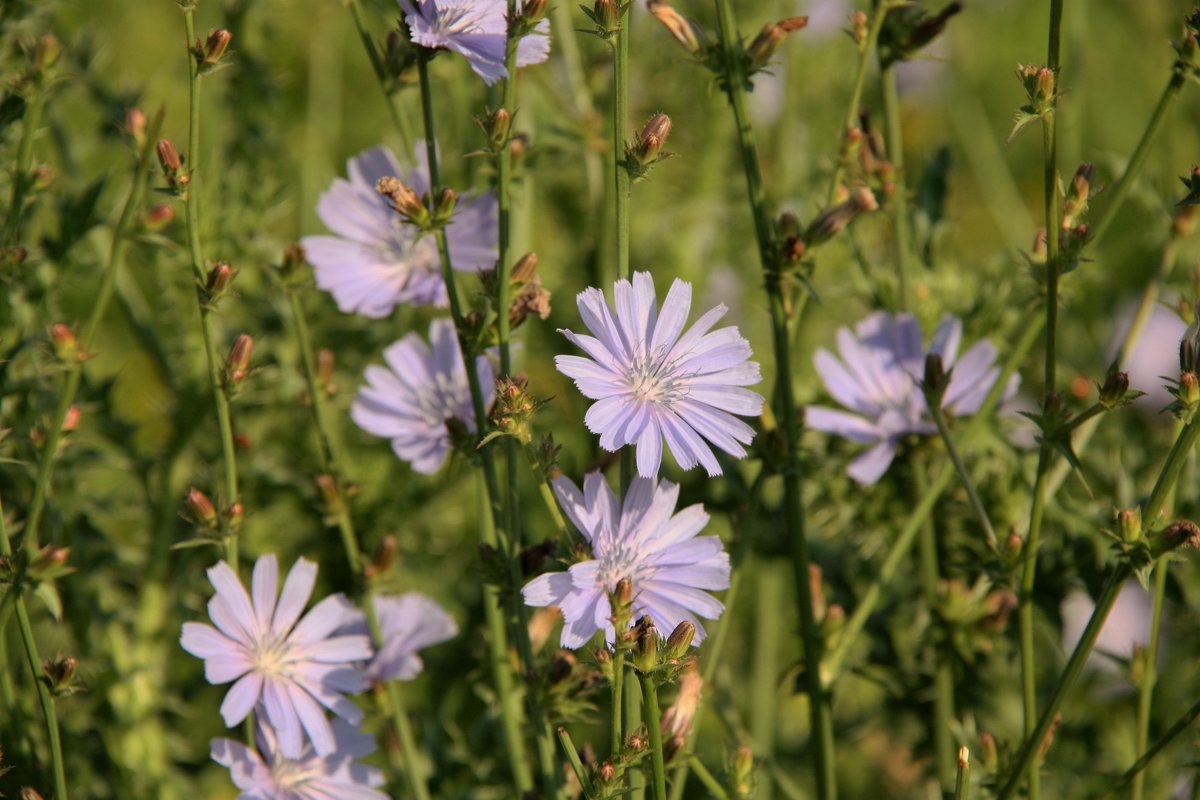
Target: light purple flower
x=410 y=400
x=476 y=30
x=310 y=776
x=650 y=383
x=671 y=568
x=408 y=623
x=292 y=668
x=877 y=377
x=376 y=261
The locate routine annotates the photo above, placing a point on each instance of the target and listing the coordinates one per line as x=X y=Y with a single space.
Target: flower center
x=270 y=656
x=438 y=399
x=459 y=19
x=290 y=775
x=407 y=252
x=618 y=560
x=653 y=380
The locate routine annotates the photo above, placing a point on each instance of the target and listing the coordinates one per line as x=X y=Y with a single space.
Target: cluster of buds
x=172 y=167
x=530 y=298
x=512 y=413
x=607 y=777
x=424 y=212
x=201 y=512
x=974 y=616
x=1041 y=94
x=1185 y=64
x=646 y=150
x=908 y=28
x=237 y=363
x=210 y=53
x=606 y=15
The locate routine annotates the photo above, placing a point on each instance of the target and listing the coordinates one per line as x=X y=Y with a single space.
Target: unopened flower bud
x=858 y=27
x=61 y=673
x=1183 y=222
x=607 y=16
x=1114 y=389
x=235 y=515
x=158 y=217
x=406 y=202
x=606 y=773
x=686 y=32
x=1178 y=535
x=325 y=369
x=46 y=52
x=743 y=769
x=1077 y=194
x=650 y=141
x=1044 y=87
x=624 y=592
x=135 y=124
x=991 y=753
x=833 y=220
x=331 y=493
x=680 y=640
x=66 y=346
x=214 y=46
x=237 y=365
x=645 y=652
x=672 y=747
x=293 y=261
x=172 y=165
x=1129 y=523
x=71 y=418
x=496 y=125
x=770 y=38
x=385 y=557
x=1189 y=389
x=29 y=793
x=525 y=268
x=219 y=279
x=201 y=509
x=532 y=12
x=447 y=200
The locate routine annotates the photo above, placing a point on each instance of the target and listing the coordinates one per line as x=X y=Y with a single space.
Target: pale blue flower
x=270 y=775
x=877 y=378
x=293 y=669
x=408 y=623
x=671 y=568
x=475 y=29
x=376 y=261
x=410 y=400
x=650 y=383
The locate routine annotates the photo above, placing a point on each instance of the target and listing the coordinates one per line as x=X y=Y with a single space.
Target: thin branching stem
x=865 y=50
x=822 y=746
x=23 y=178
x=74 y=374
x=1144 y=760
x=36 y=670
x=192 y=205
x=939 y=419
x=652 y=717
x=898 y=201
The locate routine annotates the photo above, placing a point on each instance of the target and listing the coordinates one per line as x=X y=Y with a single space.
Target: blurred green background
x=279 y=124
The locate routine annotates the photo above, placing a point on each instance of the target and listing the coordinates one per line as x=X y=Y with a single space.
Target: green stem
x=898 y=201
x=939 y=419
x=22 y=177
x=616 y=734
x=711 y=783
x=74 y=375
x=568 y=747
x=192 y=204
x=1179 y=727
x=1149 y=676
x=771 y=580
x=620 y=136
x=399 y=715
x=36 y=670
x=1150 y=513
x=962 y=783
x=865 y=50
x=653 y=716
x=1031 y=327
x=1116 y=195
x=1025 y=609
x=821 y=718
x=943 y=677
x=377 y=66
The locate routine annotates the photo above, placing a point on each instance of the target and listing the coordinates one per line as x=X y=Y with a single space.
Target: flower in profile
x=476 y=30
x=376 y=261
x=290 y=669
x=671 y=568
x=651 y=383
x=877 y=379
x=271 y=775
x=410 y=400
x=408 y=623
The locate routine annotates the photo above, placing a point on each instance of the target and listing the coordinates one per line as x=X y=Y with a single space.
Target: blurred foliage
x=279 y=124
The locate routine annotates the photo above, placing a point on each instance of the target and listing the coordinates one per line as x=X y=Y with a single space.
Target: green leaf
x=48 y=594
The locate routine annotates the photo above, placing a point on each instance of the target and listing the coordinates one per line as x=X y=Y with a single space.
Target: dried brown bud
x=61 y=673
x=404 y=200
x=770 y=38
x=607 y=15
x=686 y=32
x=525 y=268
x=214 y=46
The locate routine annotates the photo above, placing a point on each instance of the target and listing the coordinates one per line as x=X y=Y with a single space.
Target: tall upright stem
x=1037 y=510
x=192 y=204
x=619 y=138
x=653 y=715
x=36 y=670
x=898 y=202
x=821 y=719
x=865 y=50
